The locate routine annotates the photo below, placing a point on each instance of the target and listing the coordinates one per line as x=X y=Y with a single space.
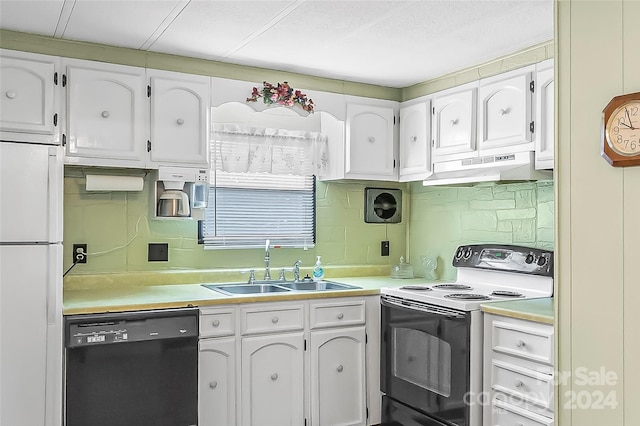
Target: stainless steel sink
x=246 y=288
x=277 y=286
x=317 y=286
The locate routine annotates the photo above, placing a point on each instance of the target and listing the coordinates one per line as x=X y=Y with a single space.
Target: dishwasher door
x=132 y=369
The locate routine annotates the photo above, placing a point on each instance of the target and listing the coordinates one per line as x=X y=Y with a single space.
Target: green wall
x=117 y=228
x=443 y=217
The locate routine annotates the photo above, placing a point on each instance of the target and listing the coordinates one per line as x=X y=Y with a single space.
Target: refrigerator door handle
x=54 y=284
x=55 y=195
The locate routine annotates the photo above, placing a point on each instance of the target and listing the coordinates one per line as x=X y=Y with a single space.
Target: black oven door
x=425 y=358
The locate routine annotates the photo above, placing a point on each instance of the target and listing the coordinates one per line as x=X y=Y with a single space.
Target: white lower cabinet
x=518 y=372
x=290 y=363
x=272 y=380
x=338 y=377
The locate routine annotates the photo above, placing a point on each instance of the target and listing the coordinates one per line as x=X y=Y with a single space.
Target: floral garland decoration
x=282 y=94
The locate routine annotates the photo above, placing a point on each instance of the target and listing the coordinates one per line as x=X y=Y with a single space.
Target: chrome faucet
x=267 y=272
x=296 y=271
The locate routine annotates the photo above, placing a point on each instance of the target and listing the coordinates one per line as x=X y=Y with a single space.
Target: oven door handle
x=416 y=306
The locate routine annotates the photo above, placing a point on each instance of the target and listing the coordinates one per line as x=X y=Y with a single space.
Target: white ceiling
x=394 y=43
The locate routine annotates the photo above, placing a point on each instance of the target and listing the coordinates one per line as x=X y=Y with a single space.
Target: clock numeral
x=634 y=111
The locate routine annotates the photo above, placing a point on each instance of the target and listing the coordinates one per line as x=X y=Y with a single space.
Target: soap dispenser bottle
x=318 y=271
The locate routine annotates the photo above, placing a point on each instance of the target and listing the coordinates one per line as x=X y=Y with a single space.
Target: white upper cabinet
x=106 y=114
x=179 y=118
x=505 y=112
x=454 y=123
x=545 y=118
x=28 y=97
x=370 y=148
x=415 y=141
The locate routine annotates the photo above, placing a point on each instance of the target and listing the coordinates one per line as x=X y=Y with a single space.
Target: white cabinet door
x=217 y=395
x=273 y=380
x=369 y=146
x=338 y=377
x=504 y=108
x=454 y=124
x=179 y=118
x=545 y=118
x=28 y=109
x=106 y=114
x=415 y=141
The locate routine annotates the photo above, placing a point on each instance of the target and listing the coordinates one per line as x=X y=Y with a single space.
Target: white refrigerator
x=31 y=194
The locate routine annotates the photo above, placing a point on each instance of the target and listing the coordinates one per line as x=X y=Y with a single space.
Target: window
x=262 y=188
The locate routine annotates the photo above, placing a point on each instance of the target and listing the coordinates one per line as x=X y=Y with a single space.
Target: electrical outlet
x=158 y=252
x=384 y=248
x=79 y=253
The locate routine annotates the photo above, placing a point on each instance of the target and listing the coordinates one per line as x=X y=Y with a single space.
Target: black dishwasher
x=132 y=368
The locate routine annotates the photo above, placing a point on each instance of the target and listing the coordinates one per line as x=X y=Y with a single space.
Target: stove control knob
x=529 y=259
x=542 y=261
x=459 y=253
x=467 y=253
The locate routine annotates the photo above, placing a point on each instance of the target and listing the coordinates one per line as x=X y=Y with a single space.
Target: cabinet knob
x=414 y=138
x=520 y=343
x=274 y=376
x=180 y=121
x=105 y=114
x=215 y=323
x=340 y=315
x=340 y=368
x=503 y=111
x=275 y=320
x=371 y=139
x=213 y=385
x=519 y=383
x=453 y=122
x=11 y=94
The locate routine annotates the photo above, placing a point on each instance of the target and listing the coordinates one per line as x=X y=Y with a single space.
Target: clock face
x=623 y=129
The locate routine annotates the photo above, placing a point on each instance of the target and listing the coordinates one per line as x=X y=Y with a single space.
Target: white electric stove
x=485 y=273
x=432 y=334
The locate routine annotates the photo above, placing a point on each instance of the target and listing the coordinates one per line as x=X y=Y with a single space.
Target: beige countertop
x=109 y=295
x=538 y=310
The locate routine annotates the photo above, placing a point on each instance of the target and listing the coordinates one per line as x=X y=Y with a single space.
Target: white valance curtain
x=240 y=149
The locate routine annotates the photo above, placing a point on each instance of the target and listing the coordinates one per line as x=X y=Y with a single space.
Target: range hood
x=517 y=166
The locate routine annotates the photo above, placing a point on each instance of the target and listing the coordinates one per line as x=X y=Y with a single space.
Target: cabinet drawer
x=217 y=322
x=507 y=414
x=275 y=319
x=523 y=384
x=337 y=314
x=525 y=339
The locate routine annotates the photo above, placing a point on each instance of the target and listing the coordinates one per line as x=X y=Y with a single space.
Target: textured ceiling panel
x=393 y=43
x=36 y=17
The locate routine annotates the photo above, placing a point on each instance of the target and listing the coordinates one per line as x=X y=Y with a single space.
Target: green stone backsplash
x=117 y=228
x=442 y=218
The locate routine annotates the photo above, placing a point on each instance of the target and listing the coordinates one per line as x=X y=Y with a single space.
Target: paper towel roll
x=114 y=183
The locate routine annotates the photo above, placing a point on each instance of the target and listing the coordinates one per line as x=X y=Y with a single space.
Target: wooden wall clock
x=621 y=131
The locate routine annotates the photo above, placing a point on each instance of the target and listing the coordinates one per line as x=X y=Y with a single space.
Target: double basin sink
x=277 y=286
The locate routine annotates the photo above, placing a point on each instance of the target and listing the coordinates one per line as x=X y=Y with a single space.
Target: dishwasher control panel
x=89 y=330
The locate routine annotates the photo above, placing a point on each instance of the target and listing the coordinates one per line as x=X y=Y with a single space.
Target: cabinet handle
x=215 y=323
x=453 y=122
x=371 y=139
x=340 y=315
x=520 y=343
x=519 y=383
x=11 y=94
x=274 y=376
x=503 y=111
x=105 y=114
x=180 y=121
x=340 y=368
x=275 y=320
x=213 y=385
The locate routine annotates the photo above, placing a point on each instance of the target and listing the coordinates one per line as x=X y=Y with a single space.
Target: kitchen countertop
x=120 y=298
x=538 y=310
